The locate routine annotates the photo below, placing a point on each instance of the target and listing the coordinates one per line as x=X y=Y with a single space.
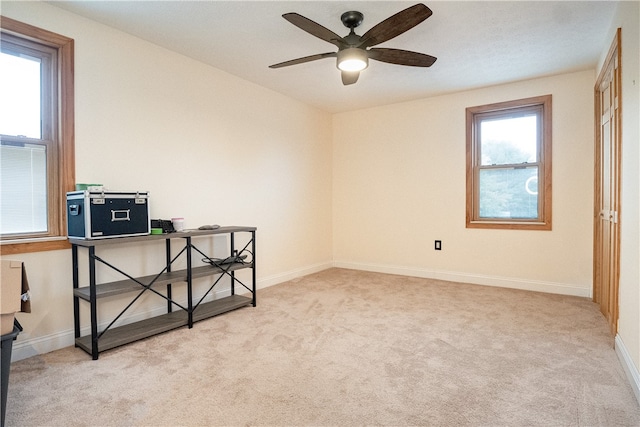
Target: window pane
x=509 y=140
x=23 y=182
x=509 y=193
x=20 y=96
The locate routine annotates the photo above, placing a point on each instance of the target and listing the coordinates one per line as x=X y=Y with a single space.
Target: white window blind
x=23 y=184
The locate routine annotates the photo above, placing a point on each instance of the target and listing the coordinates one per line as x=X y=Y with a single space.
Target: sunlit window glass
x=509 y=141
x=509 y=193
x=20 y=96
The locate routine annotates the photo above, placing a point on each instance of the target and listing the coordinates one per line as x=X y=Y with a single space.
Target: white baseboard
x=629 y=367
x=23 y=349
x=476 y=279
x=265 y=282
x=29 y=347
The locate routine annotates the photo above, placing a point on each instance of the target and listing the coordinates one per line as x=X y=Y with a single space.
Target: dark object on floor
x=7 y=346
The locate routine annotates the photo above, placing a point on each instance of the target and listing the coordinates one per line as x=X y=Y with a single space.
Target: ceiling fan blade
x=395 y=25
x=314 y=28
x=401 y=57
x=350 y=77
x=305 y=59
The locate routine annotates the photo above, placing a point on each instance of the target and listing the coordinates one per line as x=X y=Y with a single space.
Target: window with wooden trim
x=509 y=165
x=37 y=165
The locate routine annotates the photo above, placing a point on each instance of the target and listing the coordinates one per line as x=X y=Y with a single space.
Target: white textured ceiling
x=477 y=43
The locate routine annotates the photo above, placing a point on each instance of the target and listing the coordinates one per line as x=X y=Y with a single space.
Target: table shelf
x=127 y=285
x=114 y=336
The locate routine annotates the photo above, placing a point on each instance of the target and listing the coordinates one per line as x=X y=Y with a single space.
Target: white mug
x=178 y=223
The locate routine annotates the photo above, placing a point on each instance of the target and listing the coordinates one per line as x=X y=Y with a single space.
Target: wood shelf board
x=220 y=306
x=208 y=270
x=136 y=331
x=127 y=285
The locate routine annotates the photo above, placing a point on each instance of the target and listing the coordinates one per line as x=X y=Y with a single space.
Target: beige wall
x=399 y=184
x=207 y=145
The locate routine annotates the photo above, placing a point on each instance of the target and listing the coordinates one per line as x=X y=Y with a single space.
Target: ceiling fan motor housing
x=352 y=19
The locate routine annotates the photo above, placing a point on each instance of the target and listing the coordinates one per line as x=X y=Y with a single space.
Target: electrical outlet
x=438 y=245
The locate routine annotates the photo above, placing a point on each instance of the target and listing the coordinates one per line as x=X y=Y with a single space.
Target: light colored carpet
x=345 y=347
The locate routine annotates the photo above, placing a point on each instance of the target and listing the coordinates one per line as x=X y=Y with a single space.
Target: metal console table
x=113 y=336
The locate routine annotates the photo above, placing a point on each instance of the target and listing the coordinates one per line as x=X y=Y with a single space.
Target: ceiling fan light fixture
x=354 y=50
x=352 y=59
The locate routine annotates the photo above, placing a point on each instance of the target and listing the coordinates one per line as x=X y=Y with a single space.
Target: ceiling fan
x=354 y=51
